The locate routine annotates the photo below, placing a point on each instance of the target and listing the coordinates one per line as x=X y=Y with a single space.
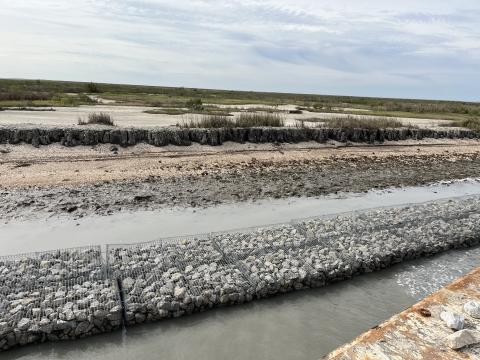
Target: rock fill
x=74 y=136
x=66 y=294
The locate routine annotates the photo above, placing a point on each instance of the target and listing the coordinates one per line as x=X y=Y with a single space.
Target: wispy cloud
x=409 y=48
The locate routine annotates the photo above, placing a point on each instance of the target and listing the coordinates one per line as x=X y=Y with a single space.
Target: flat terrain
x=42 y=94
x=135 y=116
x=106 y=179
x=80 y=181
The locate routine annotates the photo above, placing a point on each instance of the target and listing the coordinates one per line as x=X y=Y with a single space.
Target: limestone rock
x=454 y=321
x=463 y=338
x=472 y=308
x=24 y=324
x=180 y=292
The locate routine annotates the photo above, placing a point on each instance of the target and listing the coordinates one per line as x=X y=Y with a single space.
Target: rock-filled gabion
x=56 y=295
x=74 y=136
x=68 y=294
x=175 y=277
x=180 y=276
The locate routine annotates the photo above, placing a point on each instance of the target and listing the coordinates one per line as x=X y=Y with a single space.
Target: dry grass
x=472 y=123
x=181 y=111
x=244 y=120
x=97 y=118
x=352 y=122
x=208 y=122
x=260 y=119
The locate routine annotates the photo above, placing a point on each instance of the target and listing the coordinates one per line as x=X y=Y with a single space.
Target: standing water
x=301 y=325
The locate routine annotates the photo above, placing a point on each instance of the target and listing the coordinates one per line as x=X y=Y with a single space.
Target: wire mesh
x=49 y=293
x=175 y=276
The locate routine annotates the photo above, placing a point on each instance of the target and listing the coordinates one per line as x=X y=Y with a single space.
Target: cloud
x=423 y=49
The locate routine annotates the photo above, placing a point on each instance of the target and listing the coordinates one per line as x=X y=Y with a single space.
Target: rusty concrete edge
x=377 y=332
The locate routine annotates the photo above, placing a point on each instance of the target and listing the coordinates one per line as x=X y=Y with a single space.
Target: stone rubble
x=69 y=294
x=74 y=136
x=452 y=320
x=56 y=295
x=472 y=308
x=169 y=279
x=462 y=338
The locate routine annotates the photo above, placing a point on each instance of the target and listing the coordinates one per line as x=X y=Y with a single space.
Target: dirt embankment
x=80 y=186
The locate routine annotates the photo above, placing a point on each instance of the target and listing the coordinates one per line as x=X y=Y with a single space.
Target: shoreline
x=197 y=273
x=417 y=335
x=98 y=183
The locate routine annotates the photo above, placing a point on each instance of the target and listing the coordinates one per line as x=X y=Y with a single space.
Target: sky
x=409 y=48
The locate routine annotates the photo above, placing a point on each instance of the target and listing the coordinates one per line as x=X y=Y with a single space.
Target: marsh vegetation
x=98 y=119
x=244 y=120
x=180 y=100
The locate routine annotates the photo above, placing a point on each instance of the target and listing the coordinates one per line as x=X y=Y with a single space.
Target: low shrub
x=92 y=88
x=194 y=104
x=97 y=118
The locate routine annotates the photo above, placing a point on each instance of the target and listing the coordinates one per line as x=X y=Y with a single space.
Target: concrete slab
x=418 y=332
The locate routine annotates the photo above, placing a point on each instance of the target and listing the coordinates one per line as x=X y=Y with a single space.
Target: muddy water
x=53 y=233
x=302 y=325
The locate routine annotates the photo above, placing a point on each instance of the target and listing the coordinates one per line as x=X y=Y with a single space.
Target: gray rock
x=463 y=338
x=472 y=308
x=100 y=314
x=452 y=320
x=128 y=283
x=24 y=324
x=4 y=328
x=179 y=292
x=139 y=318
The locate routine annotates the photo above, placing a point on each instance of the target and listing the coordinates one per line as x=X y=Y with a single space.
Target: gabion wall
x=55 y=295
x=72 y=293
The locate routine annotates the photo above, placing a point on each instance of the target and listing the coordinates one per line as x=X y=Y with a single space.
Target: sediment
x=74 y=136
x=70 y=293
x=200 y=181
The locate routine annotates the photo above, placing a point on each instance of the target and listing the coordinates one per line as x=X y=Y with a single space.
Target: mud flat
x=63 y=231
x=418 y=332
x=67 y=294
x=135 y=116
x=76 y=182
